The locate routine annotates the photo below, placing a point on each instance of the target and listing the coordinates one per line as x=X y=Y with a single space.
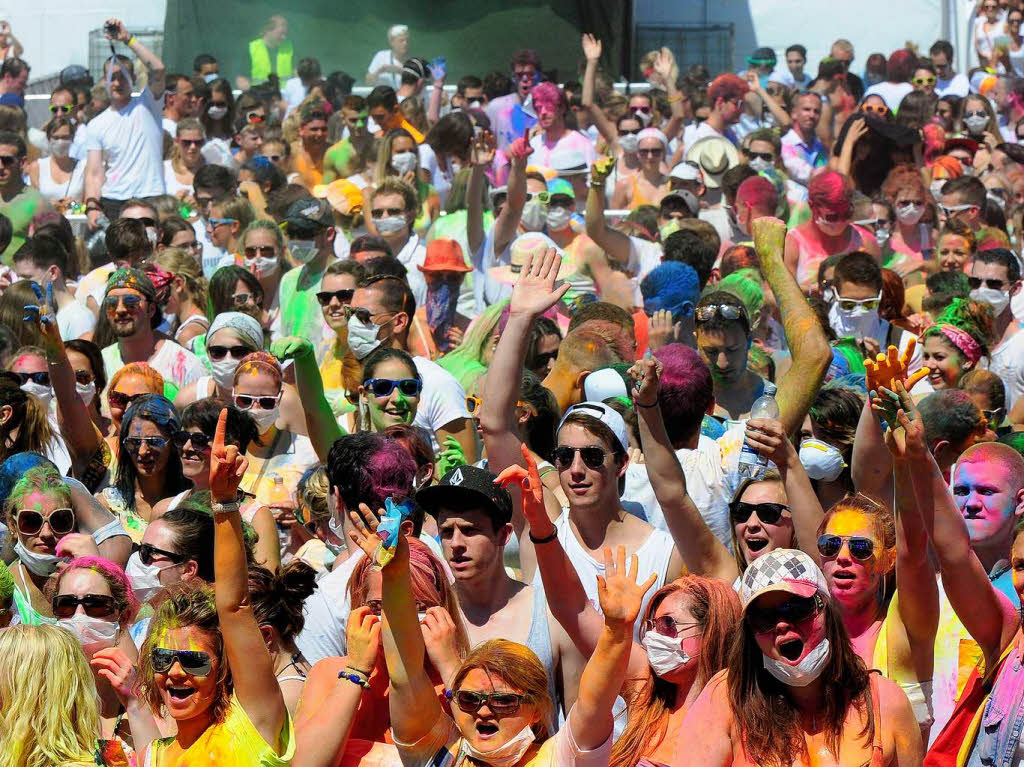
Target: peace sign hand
x=227 y=466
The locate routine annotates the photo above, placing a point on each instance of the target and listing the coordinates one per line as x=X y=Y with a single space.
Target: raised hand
x=646 y=377
x=363 y=532
x=591 y=48
x=535 y=291
x=438 y=69
x=520 y=149
x=905 y=437
x=451 y=456
x=439 y=640
x=769 y=237
x=291 y=348
x=481 y=150
x=112 y=664
x=618 y=592
x=768 y=438
x=665 y=65
x=528 y=480
x=227 y=465
x=886 y=370
x=363 y=637
x=601 y=169
x=43 y=315
x=121 y=33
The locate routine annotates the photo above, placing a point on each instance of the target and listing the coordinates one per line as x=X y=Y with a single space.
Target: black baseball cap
x=307 y=216
x=466 y=486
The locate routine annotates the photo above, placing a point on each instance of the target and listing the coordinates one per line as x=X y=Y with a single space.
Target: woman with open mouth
x=794 y=686
x=501 y=710
x=148 y=467
x=390 y=392
x=204 y=662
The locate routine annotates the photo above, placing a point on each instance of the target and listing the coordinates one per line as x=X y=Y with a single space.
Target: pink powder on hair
x=829 y=193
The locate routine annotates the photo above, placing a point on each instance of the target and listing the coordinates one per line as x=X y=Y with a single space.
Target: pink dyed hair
x=549 y=94
x=830 y=192
x=759 y=193
x=390 y=470
x=118 y=582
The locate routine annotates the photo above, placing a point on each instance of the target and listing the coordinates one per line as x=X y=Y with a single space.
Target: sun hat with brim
x=342 y=195
x=570 y=162
x=530 y=242
x=714 y=155
x=787 y=570
x=444 y=255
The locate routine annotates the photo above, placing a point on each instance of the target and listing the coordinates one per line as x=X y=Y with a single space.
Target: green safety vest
x=259 y=55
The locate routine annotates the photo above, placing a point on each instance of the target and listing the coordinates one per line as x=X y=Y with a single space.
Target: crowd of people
x=535 y=426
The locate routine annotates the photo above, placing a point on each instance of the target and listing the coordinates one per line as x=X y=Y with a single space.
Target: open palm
x=618 y=592
x=535 y=290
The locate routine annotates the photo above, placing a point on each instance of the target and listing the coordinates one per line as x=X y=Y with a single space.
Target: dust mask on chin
x=804 y=672
x=506 y=755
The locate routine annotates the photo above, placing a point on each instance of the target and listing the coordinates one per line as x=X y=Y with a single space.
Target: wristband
x=674 y=99
x=542 y=541
x=224 y=508
x=641 y=404
x=354 y=679
x=131 y=41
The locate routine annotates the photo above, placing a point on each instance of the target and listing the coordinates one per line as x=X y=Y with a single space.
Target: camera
x=110 y=29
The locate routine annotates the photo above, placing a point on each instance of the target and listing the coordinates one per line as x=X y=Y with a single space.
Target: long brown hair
x=768 y=720
x=716 y=607
x=28 y=417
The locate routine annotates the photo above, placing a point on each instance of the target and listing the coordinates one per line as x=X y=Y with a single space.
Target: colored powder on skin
x=848 y=522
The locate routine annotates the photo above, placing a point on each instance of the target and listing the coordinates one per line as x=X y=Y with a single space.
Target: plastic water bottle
x=752 y=463
x=96 y=243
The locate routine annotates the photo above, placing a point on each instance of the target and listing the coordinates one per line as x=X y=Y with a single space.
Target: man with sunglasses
x=133 y=314
x=508 y=118
x=948 y=82
x=18 y=201
x=211 y=182
x=124 y=144
x=994 y=278
x=337 y=288
x=963 y=198
x=380 y=316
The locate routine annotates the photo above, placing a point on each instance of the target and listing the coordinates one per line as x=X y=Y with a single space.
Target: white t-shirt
x=293 y=93
x=1007 y=362
x=891 y=93
x=131 y=140
x=171 y=126
x=413 y=254
x=440 y=179
x=74 y=320
x=442 y=400
x=171 y=183
x=381 y=59
x=644 y=257
x=707 y=470
x=959 y=85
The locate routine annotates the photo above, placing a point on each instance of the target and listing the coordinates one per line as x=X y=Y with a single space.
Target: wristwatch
x=225 y=508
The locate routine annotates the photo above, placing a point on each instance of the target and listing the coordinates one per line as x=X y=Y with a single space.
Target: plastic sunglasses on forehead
x=147 y=554
x=861 y=548
x=42 y=377
x=94 y=605
x=344 y=296
x=194 y=662
x=768 y=513
x=592 y=456
x=30 y=521
x=382 y=387
x=200 y=442
x=794 y=610
x=501 y=703
x=725 y=311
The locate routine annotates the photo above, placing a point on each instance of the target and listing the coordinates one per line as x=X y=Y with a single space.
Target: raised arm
x=95 y=177
x=665 y=66
x=592 y=53
x=252 y=668
x=702 y=553
x=612 y=242
x=481 y=156
x=80 y=434
x=779 y=112
x=321 y=424
x=413 y=702
x=806 y=339
x=621 y=597
x=154 y=65
x=985 y=612
x=767 y=437
x=94 y=517
x=507 y=224
x=330 y=700
x=438 y=72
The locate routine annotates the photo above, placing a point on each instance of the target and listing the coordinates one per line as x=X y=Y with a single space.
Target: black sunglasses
x=768 y=513
x=220 y=352
x=977 y=282
x=766 y=156
x=192 y=662
x=8 y=160
x=592 y=456
x=200 y=441
x=343 y=296
x=148 y=553
x=861 y=548
x=501 y=703
x=795 y=610
x=42 y=377
x=95 y=605
x=382 y=387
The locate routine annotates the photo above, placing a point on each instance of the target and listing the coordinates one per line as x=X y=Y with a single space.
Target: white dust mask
x=362 y=338
x=390 y=224
x=217 y=113
x=145 y=579
x=60 y=147
x=629 y=143
x=505 y=755
x=821 y=460
x=557 y=219
x=86 y=392
x=909 y=214
x=665 y=654
x=533 y=216
x=92 y=633
x=804 y=672
x=42 y=565
x=998 y=299
x=404 y=162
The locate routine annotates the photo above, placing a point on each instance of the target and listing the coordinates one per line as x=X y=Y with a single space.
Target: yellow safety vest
x=259 y=55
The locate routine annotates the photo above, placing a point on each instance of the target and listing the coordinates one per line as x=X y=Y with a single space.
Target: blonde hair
x=180 y=263
x=313 y=494
x=42 y=479
x=385 y=152
x=51 y=710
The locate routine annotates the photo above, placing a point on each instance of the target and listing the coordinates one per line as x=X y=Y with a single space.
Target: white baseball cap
x=606 y=415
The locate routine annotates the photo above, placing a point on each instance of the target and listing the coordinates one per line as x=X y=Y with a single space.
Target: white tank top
x=653 y=557
x=171 y=183
x=53 y=190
